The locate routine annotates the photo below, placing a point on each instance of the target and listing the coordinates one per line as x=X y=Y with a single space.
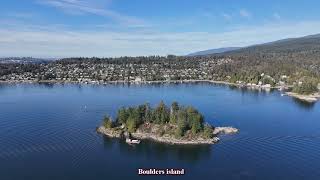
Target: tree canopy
x=183 y=118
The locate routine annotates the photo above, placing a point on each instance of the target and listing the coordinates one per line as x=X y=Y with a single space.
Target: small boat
x=132 y=141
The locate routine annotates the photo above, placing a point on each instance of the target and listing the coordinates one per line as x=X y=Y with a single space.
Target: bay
x=47 y=131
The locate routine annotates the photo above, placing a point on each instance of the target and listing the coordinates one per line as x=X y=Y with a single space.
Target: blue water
x=48 y=132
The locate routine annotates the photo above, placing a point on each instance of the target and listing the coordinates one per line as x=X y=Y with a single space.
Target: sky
x=113 y=28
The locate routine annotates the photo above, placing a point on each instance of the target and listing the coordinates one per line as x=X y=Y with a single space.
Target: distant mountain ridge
x=214 y=51
x=309 y=43
x=23 y=60
x=299 y=44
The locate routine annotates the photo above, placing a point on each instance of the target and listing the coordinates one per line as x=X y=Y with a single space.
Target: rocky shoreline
x=169 y=139
x=109 y=132
x=307 y=98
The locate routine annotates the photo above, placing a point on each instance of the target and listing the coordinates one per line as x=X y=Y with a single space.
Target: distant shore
x=311 y=98
x=119 y=81
x=307 y=98
x=140 y=82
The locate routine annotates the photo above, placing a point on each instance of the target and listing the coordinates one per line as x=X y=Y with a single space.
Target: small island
x=174 y=125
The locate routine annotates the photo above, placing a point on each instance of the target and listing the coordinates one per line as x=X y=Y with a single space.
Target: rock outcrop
x=224 y=130
x=152 y=134
x=307 y=98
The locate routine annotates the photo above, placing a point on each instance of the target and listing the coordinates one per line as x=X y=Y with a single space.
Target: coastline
x=307 y=98
x=119 y=81
x=168 y=139
x=140 y=82
x=173 y=141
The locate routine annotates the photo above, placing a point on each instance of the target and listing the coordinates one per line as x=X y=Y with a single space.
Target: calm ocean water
x=48 y=132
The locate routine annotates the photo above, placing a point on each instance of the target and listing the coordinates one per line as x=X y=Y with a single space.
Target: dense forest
x=184 y=119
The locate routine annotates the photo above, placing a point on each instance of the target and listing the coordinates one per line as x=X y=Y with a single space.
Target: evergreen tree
x=107 y=122
x=207 y=131
x=181 y=123
x=196 y=125
x=131 y=125
x=122 y=116
x=174 y=112
x=161 y=113
x=149 y=113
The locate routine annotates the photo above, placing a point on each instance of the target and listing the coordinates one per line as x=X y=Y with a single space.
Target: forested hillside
x=297 y=59
x=290 y=62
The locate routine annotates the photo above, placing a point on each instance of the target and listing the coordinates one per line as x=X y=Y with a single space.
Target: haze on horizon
x=109 y=28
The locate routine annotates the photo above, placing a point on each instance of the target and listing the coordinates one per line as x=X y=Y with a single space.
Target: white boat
x=132 y=141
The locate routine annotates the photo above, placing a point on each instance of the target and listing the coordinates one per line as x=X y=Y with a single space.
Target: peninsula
x=174 y=125
x=307 y=91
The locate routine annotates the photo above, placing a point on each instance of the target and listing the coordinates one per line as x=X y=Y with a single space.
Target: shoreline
x=170 y=140
x=119 y=81
x=142 y=82
x=311 y=98
x=307 y=98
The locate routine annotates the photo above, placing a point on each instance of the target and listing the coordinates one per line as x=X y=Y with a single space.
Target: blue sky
x=109 y=28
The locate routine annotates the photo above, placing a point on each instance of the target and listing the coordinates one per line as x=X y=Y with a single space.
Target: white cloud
x=227 y=17
x=92 y=7
x=276 y=16
x=245 y=13
x=43 y=42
